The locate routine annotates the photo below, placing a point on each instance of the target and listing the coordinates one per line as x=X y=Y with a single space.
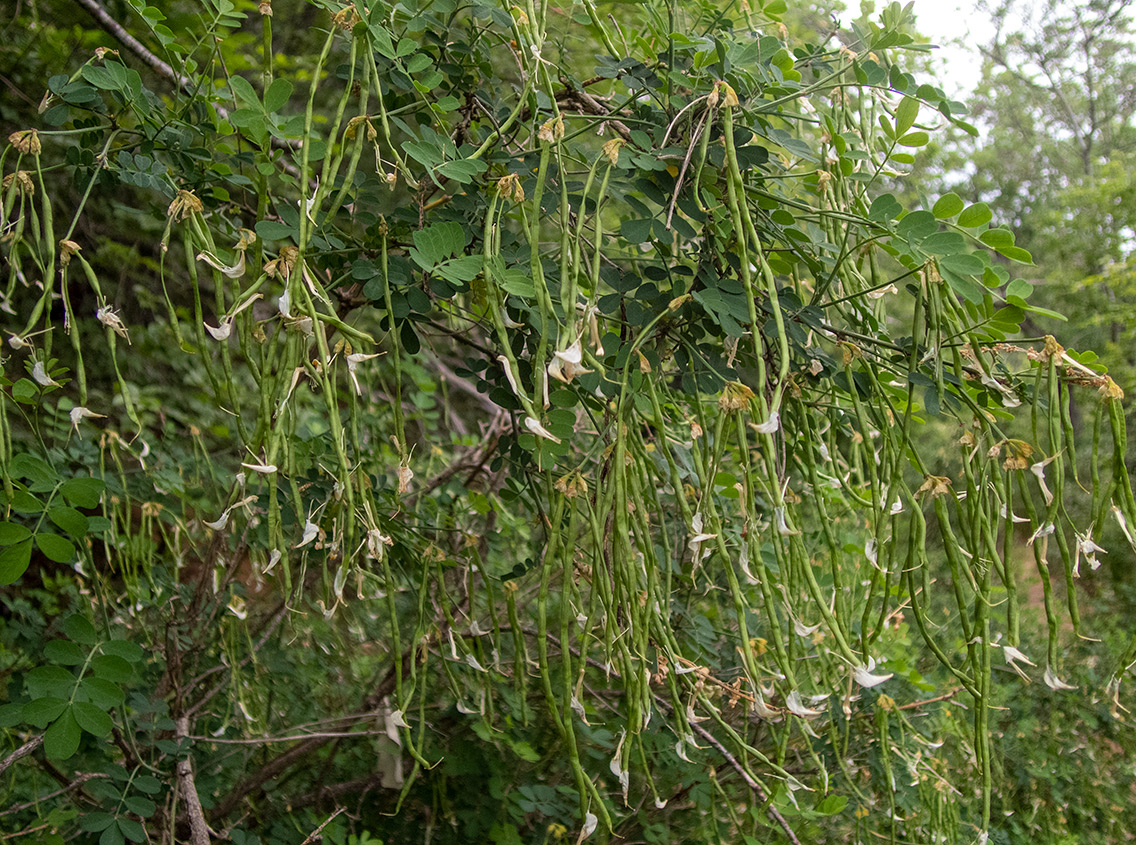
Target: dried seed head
x=23 y=180
x=353 y=127
x=1053 y=349
x=729 y=95
x=346 y=19
x=26 y=142
x=265 y=8
x=284 y=262
x=735 y=397
x=66 y=250
x=509 y=186
x=934 y=485
x=1111 y=390
x=1018 y=454
x=112 y=321
x=552 y=130
x=184 y=205
x=611 y=150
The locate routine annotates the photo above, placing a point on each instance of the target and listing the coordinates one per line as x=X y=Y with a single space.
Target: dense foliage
x=505 y=423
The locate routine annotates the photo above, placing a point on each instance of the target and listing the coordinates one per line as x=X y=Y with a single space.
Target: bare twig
x=75 y=784
x=23 y=751
x=198 y=827
x=314 y=835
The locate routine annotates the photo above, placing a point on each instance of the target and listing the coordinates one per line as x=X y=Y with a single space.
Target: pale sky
x=946 y=22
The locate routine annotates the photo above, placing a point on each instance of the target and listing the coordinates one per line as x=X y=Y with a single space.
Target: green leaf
x=69 y=519
x=33 y=468
x=129 y=651
x=94 y=822
x=1019 y=288
x=963 y=264
x=948 y=206
x=462 y=171
x=272 y=230
x=905 y=115
x=884 y=207
x=277 y=95
x=62 y=739
x=636 y=231
x=102 y=692
x=149 y=785
x=1016 y=253
x=65 y=653
x=143 y=807
x=49 y=682
x=79 y=628
x=997 y=238
x=436 y=243
x=92 y=719
x=976 y=215
x=11 y=533
x=246 y=94
x=41 y=712
x=914 y=139
x=112 y=835
x=55 y=547
x=112 y=668
x=133 y=831
x=14 y=561
x=82 y=492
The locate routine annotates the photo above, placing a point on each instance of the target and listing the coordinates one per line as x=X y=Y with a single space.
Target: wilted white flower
x=770 y=425
x=1038 y=469
x=1053 y=682
x=618 y=766
x=1043 y=531
x=112 y=321
x=377 y=542
x=234 y=272
x=590 y=822
x=864 y=677
x=797 y=707
x=539 y=430
x=804 y=630
x=1116 y=512
x=221 y=332
x=1013 y=656
x=1086 y=547
x=39 y=373
x=263 y=469
x=353 y=361
x=782 y=526
x=1013 y=516
x=79 y=413
x=311 y=530
x=567 y=364
x=221 y=521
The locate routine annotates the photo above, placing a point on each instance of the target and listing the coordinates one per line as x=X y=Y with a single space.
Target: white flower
x=1123 y=525
x=234 y=272
x=539 y=430
x=221 y=521
x=896 y=507
x=567 y=364
x=377 y=542
x=870 y=552
x=39 y=373
x=283 y=305
x=353 y=361
x=1053 y=682
x=618 y=766
x=108 y=318
x=1044 y=531
x=79 y=413
x=782 y=526
x=311 y=530
x=504 y=362
x=1013 y=516
x=864 y=677
x=273 y=559
x=1012 y=656
x=221 y=332
x=1038 y=469
x=770 y=425
x=797 y=707
x=804 y=630
x=263 y=469
x=590 y=822
x=1086 y=547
